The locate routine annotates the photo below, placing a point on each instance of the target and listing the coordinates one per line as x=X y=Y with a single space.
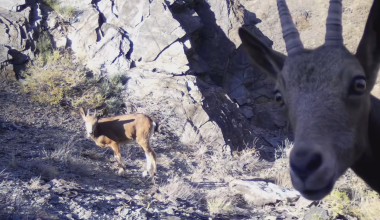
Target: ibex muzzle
x=326 y=93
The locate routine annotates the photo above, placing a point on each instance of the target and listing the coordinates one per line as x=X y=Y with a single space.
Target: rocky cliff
x=181 y=55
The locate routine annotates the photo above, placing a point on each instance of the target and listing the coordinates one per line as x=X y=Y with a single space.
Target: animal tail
x=154 y=128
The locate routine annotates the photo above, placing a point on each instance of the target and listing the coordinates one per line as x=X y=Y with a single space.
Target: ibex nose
x=305 y=162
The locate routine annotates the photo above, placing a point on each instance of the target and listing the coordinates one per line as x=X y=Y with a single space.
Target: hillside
x=221 y=143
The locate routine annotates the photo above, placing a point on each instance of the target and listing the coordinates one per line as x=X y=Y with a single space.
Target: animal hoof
x=144 y=174
x=121 y=172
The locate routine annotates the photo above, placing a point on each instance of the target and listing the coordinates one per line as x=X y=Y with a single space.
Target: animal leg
x=151 y=158
x=116 y=150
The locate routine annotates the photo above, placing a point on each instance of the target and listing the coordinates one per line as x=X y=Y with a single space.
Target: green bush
x=44 y=46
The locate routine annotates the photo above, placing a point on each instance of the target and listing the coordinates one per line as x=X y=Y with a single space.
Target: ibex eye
x=358 y=86
x=278 y=97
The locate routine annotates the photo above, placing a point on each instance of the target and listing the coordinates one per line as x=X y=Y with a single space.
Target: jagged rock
x=59 y=40
x=13 y=5
x=17 y=30
x=171 y=60
x=3 y=54
x=261 y=193
x=109 y=51
x=155 y=33
x=154 y=91
x=247 y=111
x=13 y=30
x=84 y=34
x=187 y=17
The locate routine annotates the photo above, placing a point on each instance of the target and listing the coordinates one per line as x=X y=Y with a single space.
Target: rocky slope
x=185 y=68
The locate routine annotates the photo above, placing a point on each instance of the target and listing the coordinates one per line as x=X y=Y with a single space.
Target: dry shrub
x=220 y=201
x=364 y=202
x=54 y=78
x=35 y=183
x=369 y=206
x=45 y=170
x=280 y=171
x=65 y=11
x=338 y=203
x=178 y=188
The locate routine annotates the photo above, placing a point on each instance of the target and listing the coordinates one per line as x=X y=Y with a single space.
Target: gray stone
x=247 y=111
x=170 y=210
x=110 y=51
x=316 y=213
x=155 y=33
x=84 y=34
x=171 y=60
x=303 y=203
x=261 y=193
x=12 y=5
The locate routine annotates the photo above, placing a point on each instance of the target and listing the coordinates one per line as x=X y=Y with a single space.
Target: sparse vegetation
x=44 y=46
x=220 y=201
x=54 y=78
x=65 y=11
x=368 y=207
x=338 y=203
x=35 y=183
x=178 y=188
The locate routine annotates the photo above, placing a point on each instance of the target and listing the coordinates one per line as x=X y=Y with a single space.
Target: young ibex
x=326 y=93
x=122 y=129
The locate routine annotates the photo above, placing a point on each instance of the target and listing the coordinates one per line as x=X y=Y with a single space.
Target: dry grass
x=279 y=173
x=56 y=78
x=64 y=153
x=14 y=200
x=178 y=188
x=302 y=22
x=220 y=201
x=66 y=11
x=35 y=183
x=369 y=206
x=45 y=170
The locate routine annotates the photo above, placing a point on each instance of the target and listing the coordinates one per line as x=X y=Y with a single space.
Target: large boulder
x=112 y=36
x=18 y=30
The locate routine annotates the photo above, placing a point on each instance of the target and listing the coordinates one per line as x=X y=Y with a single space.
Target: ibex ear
x=267 y=59
x=368 y=52
x=81 y=111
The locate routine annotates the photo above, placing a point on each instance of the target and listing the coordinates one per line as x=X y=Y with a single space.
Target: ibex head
x=326 y=94
x=90 y=121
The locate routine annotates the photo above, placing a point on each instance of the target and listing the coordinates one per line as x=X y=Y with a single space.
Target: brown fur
x=122 y=129
x=335 y=127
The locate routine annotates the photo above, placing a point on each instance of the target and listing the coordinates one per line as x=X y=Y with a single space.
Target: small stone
x=316 y=213
x=173 y=218
x=123 y=196
x=303 y=202
x=110 y=197
x=159 y=196
x=41 y=201
x=170 y=210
